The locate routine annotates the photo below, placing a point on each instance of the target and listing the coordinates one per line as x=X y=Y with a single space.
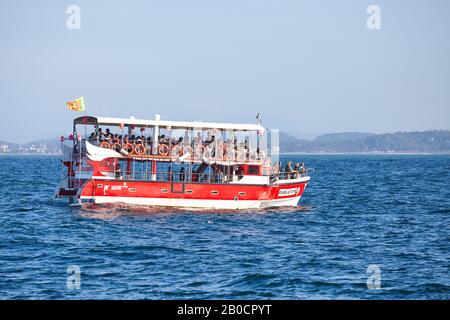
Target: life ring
x=187 y=150
x=199 y=151
x=105 y=145
x=128 y=147
x=163 y=150
x=176 y=151
x=140 y=149
x=116 y=147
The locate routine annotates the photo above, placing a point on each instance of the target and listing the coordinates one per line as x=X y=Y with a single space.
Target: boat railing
x=288 y=175
x=207 y=177
x=171 y=176
x=214 y=150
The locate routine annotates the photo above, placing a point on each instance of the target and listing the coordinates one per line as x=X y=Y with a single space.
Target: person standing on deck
x=289 y=170
x=182 y=174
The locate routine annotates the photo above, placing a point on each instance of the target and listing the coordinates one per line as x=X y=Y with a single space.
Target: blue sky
x=309 y=67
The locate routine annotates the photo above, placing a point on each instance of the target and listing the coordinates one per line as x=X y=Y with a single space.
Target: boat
x=175 y=164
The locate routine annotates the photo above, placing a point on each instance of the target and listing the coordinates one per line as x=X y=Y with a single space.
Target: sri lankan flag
x=76 y=105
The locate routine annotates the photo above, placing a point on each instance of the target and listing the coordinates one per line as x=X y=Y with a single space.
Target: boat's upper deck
x=165 y=140
x=127 y=122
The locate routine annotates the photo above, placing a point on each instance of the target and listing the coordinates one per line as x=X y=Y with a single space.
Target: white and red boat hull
x=193 y=195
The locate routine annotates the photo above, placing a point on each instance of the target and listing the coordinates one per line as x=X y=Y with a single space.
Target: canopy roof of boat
x=105 y=121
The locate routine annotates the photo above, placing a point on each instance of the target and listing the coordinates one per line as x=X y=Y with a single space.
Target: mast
x=155 y=145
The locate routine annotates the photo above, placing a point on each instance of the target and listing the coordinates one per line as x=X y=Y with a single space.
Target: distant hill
x=43 y=146
x=418 y=141
x=432 y=141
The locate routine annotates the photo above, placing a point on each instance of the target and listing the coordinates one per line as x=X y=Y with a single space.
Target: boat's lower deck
x=192 y=195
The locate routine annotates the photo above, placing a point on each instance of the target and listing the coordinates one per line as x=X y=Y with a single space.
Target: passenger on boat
x=208 y=152
x=289 y=170
x=182 y=174
x=186 y=138
x=118 y=172
x=302 y=168
x=108 y=134
x=219 y=175
x=149 y=143
x=239 y=172
x=198 y=139
x=169 y=174
x=208 y=137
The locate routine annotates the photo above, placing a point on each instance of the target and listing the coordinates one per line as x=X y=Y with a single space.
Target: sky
x=309 y=67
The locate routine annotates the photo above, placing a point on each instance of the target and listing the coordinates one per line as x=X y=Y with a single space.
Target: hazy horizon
x=309 y=67
x=300 y=136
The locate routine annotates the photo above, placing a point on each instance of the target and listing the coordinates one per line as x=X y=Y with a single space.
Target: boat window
x=253 y=170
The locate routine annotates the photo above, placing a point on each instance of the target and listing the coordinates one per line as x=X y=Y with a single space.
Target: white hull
x=195 y=203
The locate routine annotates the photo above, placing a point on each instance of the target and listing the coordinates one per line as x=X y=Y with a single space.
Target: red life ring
x=116 y=147
x=105 y=145
x=140 y=149
x=128 y=147
x=163 y=150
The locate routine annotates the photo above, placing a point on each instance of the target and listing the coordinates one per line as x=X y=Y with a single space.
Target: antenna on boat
x=258 y=118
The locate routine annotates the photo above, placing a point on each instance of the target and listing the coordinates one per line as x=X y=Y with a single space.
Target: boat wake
x=114 y=210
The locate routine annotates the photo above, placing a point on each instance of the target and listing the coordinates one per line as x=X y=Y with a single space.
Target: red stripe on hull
x=201 y=191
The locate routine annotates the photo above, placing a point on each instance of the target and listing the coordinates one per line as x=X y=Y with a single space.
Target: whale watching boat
x=176 y=164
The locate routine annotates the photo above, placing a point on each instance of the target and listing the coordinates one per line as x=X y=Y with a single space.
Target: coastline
x=287 y=154
x=30 y=154
x=364 y=153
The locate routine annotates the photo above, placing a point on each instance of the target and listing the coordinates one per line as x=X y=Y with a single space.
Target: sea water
x=367 y=227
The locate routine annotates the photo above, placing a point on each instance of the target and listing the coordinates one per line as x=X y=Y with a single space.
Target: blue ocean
x=367 y=227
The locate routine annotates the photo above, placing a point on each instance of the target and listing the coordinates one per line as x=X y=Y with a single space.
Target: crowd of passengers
x=147 y=141
x=296 y=171
x=217 y=174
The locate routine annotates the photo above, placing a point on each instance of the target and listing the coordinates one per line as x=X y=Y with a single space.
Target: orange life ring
x=140 y=149
x=128 y=147
x=163 y=149
x=199 y=151
x=116 y=147
x=105 y=145
x=176 y=151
